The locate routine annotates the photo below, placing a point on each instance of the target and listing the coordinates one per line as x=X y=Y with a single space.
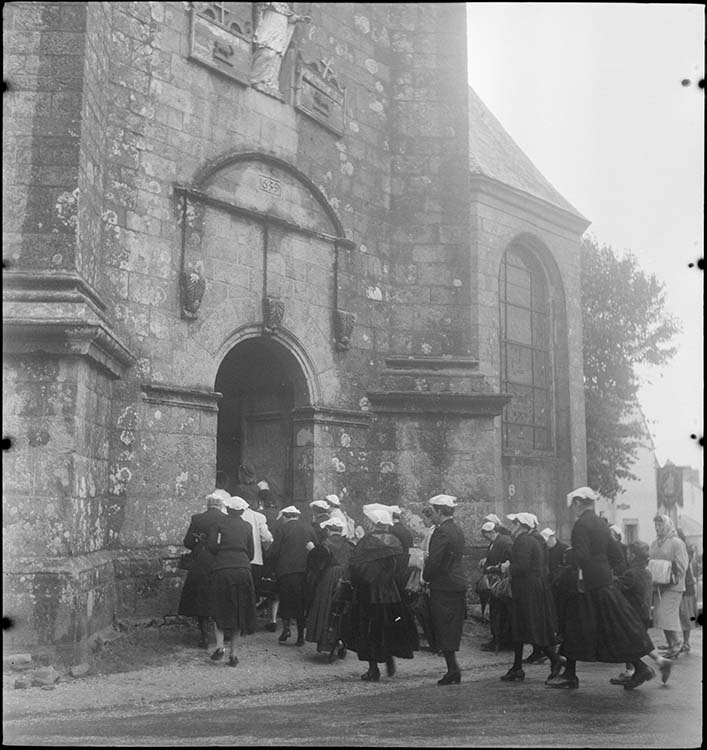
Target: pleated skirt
x=381 y=631
x=233 y=600
x=447 y=615
x=600 y=625
x=319 y=615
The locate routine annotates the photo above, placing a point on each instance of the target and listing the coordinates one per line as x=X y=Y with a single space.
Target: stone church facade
x=288 y=235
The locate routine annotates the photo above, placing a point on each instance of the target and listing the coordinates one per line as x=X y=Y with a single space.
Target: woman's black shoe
x=217 y=655
x=390 y=667
x=300 y=642
x=233 y=661
x=373 y=675
x=557 y=667
x=451 y=678
x=639 y=677
x=284 y=635
x=564 y=682
x=514 y=674
x=271 y=627
x=537 y=657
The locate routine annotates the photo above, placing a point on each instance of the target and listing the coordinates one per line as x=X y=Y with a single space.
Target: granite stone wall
x=162 y=216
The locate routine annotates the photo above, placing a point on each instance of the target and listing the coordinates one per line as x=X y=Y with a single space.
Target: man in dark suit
x=445 y=574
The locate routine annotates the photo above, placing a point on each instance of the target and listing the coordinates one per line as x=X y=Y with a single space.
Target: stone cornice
x=68 y=337
x=331 y=415
x=49 y=286
x=483 y=185
x=421 y=362
x=429 y=402
x=185 y=398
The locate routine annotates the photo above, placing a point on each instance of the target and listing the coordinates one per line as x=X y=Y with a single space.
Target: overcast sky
x=593 y=94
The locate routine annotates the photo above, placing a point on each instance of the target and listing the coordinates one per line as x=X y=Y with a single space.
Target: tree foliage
x=624 y=324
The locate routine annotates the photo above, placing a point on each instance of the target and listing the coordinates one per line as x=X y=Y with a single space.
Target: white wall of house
x=633 y=511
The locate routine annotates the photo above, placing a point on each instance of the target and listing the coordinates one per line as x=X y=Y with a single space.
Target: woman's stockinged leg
x=451 y=659
x=219 y=636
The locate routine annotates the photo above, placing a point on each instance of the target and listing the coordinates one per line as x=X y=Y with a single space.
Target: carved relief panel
x=222 y=37
x=319 y=95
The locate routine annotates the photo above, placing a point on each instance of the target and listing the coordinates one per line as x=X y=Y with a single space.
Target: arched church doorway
x=262 y=384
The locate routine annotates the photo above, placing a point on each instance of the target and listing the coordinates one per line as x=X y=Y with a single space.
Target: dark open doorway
x=261 y=383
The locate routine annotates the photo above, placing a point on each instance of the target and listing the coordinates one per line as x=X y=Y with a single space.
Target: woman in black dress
x=327 y=563
x=195 y=600
x=232 y=591
x=382 y=626
x=445 y=573
x=600 y=625
x=533 y=618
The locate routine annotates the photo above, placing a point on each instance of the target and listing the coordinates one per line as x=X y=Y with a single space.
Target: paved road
x=404 y=711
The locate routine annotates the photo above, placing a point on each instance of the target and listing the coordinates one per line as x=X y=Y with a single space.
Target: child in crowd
x=636 y=584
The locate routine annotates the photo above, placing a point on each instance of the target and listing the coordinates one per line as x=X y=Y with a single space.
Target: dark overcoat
x=600 y=625
x=289 y=548
x=381 y=624
x=195 y=600
x=595 y=551
x=533 y=609
x=499 y=551
x=554 y=558
x=327 y=563
x=445 y=574
x=232 y=590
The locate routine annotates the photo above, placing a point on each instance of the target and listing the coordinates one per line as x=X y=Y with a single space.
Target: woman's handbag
x=483 y=584
x=662 y=572
x=186 y=560
x=343 y=592
x=414 y=582
x=501 y=589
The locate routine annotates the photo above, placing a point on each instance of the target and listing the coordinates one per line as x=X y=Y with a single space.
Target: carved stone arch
x=289 y=343
x=269 y=389
x=283 y=214
x=205 y=176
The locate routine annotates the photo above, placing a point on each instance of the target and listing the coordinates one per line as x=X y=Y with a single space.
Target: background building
x=283 y=235
x=679 y=497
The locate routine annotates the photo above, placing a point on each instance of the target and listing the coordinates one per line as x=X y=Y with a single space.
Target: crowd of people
x=371 y=590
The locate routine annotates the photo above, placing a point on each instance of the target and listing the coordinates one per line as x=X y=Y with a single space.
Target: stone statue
x=274 y=26
x=193 y=285
x=343 y=329
x=273 y=310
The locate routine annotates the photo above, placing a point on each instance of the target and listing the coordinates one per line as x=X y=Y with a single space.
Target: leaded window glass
x=526 y=372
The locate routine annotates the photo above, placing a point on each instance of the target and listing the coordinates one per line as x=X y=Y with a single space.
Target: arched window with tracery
x=526 y=352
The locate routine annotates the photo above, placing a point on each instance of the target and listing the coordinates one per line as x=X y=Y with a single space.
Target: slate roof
x=493 y=153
